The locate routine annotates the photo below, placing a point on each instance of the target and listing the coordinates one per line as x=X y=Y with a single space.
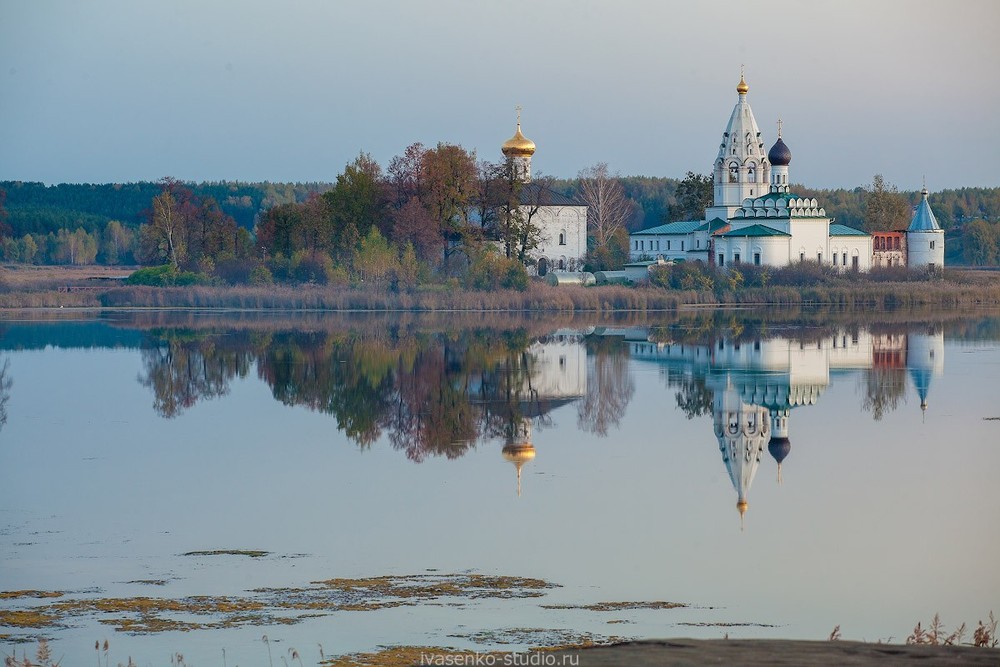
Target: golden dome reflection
x=518 y=145
x=519 y=453
x=742 y=86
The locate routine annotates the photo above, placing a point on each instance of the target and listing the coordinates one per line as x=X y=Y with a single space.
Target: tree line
x=432 y=214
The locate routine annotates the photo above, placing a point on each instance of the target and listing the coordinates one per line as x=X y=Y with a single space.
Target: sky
x=118 y=90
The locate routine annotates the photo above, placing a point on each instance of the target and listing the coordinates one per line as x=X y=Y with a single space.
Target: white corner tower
x=519 y=150
x=924 y=238
x=741 y=169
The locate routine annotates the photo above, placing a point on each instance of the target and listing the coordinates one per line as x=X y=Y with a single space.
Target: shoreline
x=752 y=652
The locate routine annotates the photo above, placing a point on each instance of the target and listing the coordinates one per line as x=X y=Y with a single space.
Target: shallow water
x=362 y=447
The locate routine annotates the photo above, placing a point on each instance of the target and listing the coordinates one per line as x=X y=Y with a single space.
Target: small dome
x=779 y=448
x=742 y=86
x=779 y=155
x=518 y=145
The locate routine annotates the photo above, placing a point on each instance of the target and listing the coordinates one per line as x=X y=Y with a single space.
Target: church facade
x=755 y=219
x=561 y=220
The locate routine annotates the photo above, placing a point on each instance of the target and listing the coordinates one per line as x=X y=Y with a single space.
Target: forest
x=431 y=215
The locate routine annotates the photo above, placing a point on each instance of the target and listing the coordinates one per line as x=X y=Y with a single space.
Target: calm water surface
x=624 y=461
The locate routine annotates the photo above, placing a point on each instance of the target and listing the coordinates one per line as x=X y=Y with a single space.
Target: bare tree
x=608 y=209
x=885 y=208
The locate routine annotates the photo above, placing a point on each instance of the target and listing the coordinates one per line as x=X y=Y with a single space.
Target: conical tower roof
x=923 y=217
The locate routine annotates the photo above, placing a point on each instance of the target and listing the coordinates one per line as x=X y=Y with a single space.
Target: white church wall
x=924 y=249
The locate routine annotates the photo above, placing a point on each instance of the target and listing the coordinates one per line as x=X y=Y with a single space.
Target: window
x=562 y=264
x=835 y=259
x=682 y=245
x=844 y=256
x=736 y=258
x=722 y=260
x=562 y=238
x=668 y=245
x=802 y=257
x=642 y=245
x=895 y=243
x=932 y=245
x=819 y=257
x=854 y=262
x=756 y=258
x=697 y=243
x=636 y=244
x=733 y=170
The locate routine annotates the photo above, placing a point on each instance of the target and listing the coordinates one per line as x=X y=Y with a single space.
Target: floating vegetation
x=618 y=606
x=27 y=618
x=13 y=595
x=730 y=625
x=405 y=656
x=539 y=638
x=271 y=606
x=251 y=553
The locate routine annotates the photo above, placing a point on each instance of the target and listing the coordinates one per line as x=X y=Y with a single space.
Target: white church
x=755 y=219
x=561 y=219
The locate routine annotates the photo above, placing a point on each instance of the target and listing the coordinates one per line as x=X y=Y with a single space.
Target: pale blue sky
x=118 y=90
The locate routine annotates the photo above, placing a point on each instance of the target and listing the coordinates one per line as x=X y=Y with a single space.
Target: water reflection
x=752 y=385
x=6 y=382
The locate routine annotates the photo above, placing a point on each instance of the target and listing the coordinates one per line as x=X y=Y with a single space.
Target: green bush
x=166 y=276
x=261 y=275
x=491 y=271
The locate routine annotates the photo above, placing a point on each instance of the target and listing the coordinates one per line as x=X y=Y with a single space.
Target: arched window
x=562 y=237
x=752 y=173
x=562 y=263
x=734 y=172
x=543 y=266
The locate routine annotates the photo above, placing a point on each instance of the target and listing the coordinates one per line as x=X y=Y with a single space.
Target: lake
x=193 y=482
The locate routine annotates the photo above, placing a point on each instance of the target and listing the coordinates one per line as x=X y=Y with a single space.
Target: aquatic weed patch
x=270 y=606
x=537 y=638
x=250 y=553
x=14 y=595
x=405 y=656
x=619 y=606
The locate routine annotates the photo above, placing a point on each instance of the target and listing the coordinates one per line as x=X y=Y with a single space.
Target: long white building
x=754 y=218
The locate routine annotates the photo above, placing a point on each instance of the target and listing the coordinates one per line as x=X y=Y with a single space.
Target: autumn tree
x=357 y=202
x=375 y=259
x=608 y=212
x=448 y=173
x=694 y=194
x=884 y=208
x=519 y=205
x=164 y=237
x=116 y=242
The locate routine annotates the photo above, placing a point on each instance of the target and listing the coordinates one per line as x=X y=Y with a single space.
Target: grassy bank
x=856 y=293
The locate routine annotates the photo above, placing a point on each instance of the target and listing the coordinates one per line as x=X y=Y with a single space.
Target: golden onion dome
x=518 y=145
x=519 y=453
x=742 y=86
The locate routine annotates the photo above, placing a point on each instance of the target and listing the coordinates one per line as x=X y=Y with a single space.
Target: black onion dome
x=779 y=155
x=779 y=447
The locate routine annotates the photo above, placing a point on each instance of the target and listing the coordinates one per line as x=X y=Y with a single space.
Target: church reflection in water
x=442 y=393
x=755 y=385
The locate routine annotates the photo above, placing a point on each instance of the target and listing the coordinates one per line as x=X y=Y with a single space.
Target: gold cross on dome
x=518 y=109
x=779 y=128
